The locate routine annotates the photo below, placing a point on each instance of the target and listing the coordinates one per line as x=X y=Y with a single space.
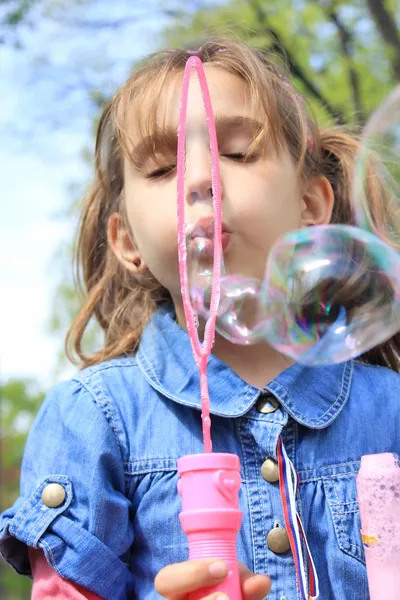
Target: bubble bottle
x=378 y=487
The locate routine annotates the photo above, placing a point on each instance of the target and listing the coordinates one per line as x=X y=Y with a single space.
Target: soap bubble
x=240 y=313
x=200 y=263
x=332 y=293
x=379 y=161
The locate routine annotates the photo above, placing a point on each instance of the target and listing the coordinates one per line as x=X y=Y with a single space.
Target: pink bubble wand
x=210 y=482
x=201 y=351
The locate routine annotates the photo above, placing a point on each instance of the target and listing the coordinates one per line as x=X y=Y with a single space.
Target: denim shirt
x=112 y=435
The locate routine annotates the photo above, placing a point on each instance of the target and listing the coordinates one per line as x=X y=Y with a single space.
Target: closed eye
x=235 y=156
x=165 y=171
x=242 y=157
x=161 y=172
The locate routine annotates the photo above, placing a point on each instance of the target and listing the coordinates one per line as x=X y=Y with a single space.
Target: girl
x=99 y=507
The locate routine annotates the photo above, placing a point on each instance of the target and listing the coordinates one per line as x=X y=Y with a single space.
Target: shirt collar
x=313 y=396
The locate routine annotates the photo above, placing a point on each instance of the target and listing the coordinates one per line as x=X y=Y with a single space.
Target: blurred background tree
x=19 y=402
x=344 y=57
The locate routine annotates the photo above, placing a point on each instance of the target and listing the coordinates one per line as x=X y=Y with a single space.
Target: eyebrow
x=165 y=141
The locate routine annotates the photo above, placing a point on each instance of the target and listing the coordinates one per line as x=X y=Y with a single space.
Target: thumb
x=254 y=587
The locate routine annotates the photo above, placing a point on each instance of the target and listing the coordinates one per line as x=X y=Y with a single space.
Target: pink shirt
x=48 y=585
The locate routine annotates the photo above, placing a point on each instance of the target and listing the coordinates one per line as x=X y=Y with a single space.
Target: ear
x=318 y=200
x=122 y=245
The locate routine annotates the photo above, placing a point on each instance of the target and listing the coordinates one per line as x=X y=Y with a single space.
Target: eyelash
x=159 y=173
x=238 y=156
x=165 y=171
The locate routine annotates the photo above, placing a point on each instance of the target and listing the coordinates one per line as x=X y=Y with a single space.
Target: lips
x=204 y=227
x=204 y=230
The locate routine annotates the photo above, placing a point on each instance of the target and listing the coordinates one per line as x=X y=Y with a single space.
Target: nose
x=199 y=194
x=198 y=177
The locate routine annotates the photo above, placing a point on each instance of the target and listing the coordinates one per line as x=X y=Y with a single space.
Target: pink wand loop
x=210 y=482
x=201 y=351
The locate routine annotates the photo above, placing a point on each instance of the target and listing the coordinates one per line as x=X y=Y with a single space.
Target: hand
x=176 y=581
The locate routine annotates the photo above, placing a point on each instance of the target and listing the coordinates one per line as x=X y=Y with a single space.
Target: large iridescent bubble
x=331 y=293
x=378 y=169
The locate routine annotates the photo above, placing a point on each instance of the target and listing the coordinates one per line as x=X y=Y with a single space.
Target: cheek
x=280 y=195
x=267 y=194
x=155 y=234
x=151 y=214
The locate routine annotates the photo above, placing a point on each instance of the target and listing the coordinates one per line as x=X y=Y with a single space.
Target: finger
x=175 y=581
x=254 y=587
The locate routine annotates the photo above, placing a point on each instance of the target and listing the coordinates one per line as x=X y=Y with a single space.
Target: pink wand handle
x=209 y=488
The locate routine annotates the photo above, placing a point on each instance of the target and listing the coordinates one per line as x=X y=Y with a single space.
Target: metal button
x=270 y=471
x=267 y=404
x=278 y=540
x=53 y=495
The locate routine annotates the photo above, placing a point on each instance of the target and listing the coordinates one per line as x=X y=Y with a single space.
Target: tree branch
x=295 y=68
x=386 y=26
x=346 y=44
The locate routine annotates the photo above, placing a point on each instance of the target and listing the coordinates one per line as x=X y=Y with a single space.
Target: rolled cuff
x=71 y=550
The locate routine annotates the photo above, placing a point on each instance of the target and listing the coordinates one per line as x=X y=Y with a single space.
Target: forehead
x=156 y=106
x=228 y=92
x=150 y=120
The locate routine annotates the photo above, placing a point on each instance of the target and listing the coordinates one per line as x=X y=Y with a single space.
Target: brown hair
x=121 y=303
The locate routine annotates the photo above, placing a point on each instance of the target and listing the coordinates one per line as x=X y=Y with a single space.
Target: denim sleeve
x=88 y=537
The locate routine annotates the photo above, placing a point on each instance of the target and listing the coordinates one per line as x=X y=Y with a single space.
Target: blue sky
x=45 y=121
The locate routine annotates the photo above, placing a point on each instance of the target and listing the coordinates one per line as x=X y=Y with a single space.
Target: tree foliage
x=340 y=58
x=20 y=400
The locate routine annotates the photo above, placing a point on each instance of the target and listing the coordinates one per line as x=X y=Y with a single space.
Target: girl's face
x=261 y=198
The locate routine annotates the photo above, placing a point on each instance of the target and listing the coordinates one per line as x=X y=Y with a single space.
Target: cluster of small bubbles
x=330 y=293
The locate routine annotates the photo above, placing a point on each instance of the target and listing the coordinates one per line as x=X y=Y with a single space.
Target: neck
x=256 y=364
